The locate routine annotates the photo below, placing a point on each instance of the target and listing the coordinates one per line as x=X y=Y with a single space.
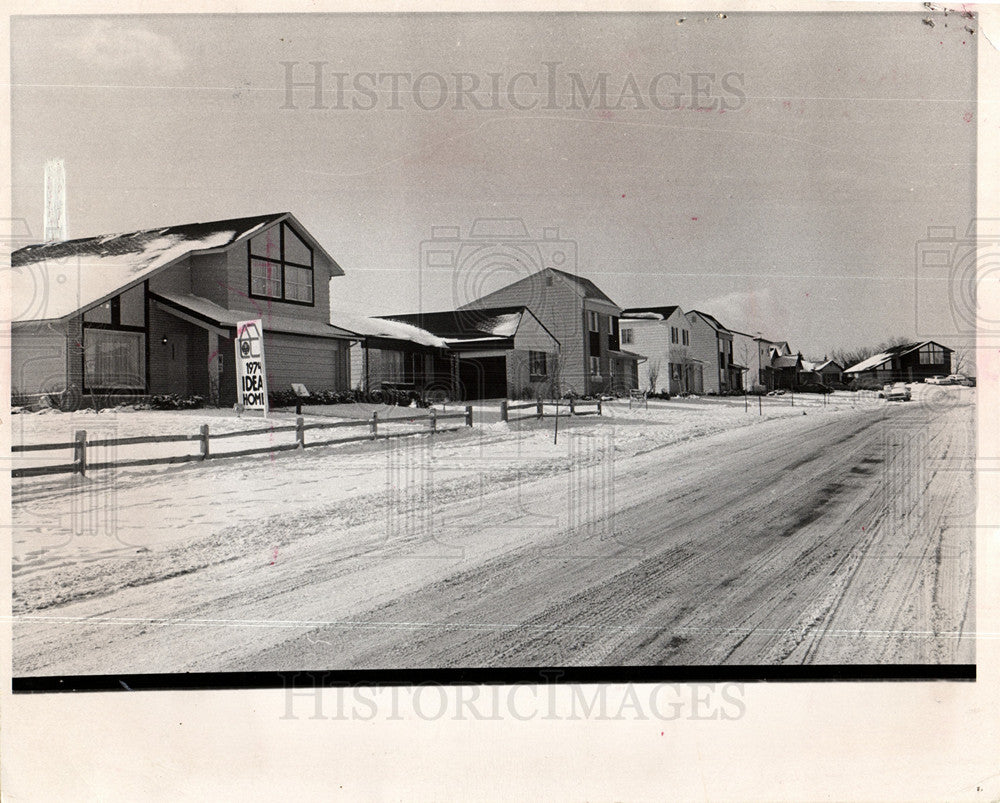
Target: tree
x=654 y=374
x=960 y=360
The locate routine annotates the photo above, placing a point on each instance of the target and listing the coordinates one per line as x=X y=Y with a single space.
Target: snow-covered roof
x=383 y=327
x=646 y=316
x=53 y=280
x=209 y=312
x=785 y=361
x=453 y=325
x=872 y=362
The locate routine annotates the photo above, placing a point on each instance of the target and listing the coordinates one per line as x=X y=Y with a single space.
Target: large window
x=114 y=343
x=536 y=366
x=931 y=354
x=627 y=337
x=281 y=266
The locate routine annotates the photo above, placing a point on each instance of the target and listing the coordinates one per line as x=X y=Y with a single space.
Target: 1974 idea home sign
x=251 y=383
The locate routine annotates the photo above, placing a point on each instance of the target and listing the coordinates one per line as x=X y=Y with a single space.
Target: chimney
x=55 y=200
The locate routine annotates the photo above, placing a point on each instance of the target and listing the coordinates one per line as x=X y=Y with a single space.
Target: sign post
x=251 y=379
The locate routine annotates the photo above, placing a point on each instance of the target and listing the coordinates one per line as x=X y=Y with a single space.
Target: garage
x=483 y=377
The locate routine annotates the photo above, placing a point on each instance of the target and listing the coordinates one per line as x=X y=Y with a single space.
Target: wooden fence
x=539 y=408
x=79 y=444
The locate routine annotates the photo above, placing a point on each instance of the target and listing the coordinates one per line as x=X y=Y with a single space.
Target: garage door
x=318 y=363
x=483 y=377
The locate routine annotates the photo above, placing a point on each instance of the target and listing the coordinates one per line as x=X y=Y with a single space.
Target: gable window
x=627 y=337
x=281 y=266
x=536 y=366
x=685 y=337
x=931 y=354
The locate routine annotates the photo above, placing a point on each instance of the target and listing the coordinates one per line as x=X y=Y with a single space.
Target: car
x=814 y=387
x=937 y=380
x=957 y=379
x=897 y=391
x=970 y=382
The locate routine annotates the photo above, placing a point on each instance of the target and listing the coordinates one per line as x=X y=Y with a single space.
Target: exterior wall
x=705 y=347
x=179 y=366
x=603 y=381
x=909 y=369
x=532 y=336
x=38 y=359
x=559 y=307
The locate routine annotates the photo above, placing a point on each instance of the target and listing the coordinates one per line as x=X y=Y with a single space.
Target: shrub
x=174 y=401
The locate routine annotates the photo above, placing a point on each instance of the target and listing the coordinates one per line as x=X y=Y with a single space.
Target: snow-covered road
x=844 y=535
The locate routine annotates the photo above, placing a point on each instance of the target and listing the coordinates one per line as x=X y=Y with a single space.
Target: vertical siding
x=318 y=363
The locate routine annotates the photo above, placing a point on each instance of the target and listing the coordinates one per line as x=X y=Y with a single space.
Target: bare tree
x=654 y=374
x=960 y=360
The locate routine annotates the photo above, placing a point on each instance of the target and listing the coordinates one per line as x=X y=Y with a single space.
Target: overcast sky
x=793 y=207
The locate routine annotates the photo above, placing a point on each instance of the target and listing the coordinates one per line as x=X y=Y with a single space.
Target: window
x=673 y=334
x=685 y=337
x=931 y=354
x=281 y=266
x=675 y=371
x=593 y=322
x=595 y=366
x=536 y=366
x=114 y=343
x=114 y=359
x=627 y=337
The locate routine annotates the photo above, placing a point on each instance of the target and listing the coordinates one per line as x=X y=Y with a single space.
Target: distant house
x=663 y=336
x=155 y=311
x=497 y=352
x=787 y=368
x=754 y=354
x=825 y=372
x=583 y=320
x=712 y=346
x=913 y=362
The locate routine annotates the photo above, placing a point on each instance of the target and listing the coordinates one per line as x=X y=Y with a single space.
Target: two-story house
x=583 y=320
x=155 y=312
x=663 y=336
x=712 y=345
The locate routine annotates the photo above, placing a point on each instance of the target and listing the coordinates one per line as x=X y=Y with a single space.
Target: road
x=842 y=538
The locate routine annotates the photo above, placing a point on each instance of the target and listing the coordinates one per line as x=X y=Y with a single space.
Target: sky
x=778 y=171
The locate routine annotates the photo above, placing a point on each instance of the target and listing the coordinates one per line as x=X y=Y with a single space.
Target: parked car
x=957 y=379
x=937 y=380
x=897 y=391
x=970 y=382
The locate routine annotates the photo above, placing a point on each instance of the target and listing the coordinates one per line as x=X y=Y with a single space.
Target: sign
x=251 y=381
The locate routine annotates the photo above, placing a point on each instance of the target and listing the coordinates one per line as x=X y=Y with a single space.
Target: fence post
x=538 y=412
x=599 y=407
x=760 y=403
x=572 y=406
x=503 y=410
x=468 y=415
x=300 y=432
x=374 y=424
x=80 y=451
x=204 y=441
x=434 y=421
x=790 y=393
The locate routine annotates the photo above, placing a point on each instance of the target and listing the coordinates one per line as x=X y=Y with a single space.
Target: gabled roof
x=586 y=286
x=785 y=361
x=57 y=279
x=894 y=351
x=709 y=320
x=479 y=323
x=643 y=312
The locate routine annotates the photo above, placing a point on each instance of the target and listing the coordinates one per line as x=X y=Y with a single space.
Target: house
x=912 y=362
x=712 y=345
x=825 y=372
x=397 y=356
x=585 y=322
x=787 y=368
x=499 y=352
x=155 y=312
x=663 y=335
x=755 y=354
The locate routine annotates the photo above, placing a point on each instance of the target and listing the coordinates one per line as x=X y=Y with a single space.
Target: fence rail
x=539 y=408
x=81 y=465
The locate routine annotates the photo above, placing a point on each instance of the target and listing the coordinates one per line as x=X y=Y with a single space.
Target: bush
x=175 y=402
